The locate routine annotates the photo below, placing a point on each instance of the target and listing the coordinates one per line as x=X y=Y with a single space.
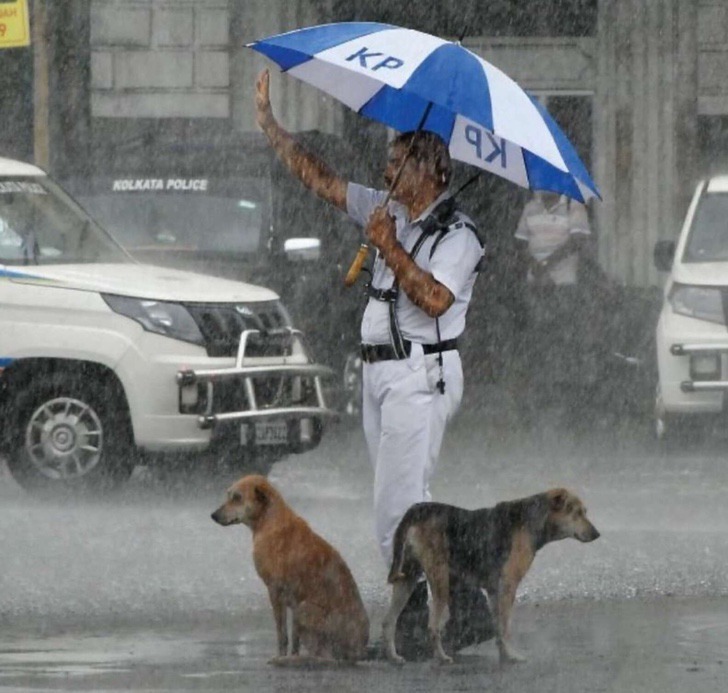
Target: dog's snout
x=217 y=516
x=591 y=534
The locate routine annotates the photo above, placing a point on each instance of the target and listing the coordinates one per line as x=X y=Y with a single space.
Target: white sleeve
x=361 y=201
x=455 y=258
x=578 y=219
x=522 y=231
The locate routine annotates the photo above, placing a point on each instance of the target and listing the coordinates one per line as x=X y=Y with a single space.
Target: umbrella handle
x=361 y=255
x=355 y=269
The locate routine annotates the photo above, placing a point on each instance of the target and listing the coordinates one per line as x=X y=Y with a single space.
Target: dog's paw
x=390 y=651
x=510 y=656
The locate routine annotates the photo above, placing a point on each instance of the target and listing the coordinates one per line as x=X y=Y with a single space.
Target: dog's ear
x=558 y=500
x=261 y=496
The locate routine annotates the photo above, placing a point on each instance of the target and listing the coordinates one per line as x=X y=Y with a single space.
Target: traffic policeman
x=428 y=254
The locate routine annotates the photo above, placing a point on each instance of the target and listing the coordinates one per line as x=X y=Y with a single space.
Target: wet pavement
x=673 y=645
x=145 y=592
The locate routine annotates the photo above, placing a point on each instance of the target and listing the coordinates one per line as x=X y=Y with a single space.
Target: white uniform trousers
x=404 y=419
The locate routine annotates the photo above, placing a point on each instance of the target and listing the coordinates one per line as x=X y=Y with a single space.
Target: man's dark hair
x=430 y=149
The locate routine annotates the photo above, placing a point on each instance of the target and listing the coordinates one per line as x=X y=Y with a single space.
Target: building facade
x=641 y=86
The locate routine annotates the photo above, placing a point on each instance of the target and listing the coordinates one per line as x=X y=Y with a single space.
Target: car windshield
x=708 y=239
x=41 y=225
x=185 y=215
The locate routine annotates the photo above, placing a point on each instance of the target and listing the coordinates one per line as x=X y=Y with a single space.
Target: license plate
x=265 y=433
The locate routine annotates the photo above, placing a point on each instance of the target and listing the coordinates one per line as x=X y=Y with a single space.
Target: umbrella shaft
x=409 y=151
x=361 y=256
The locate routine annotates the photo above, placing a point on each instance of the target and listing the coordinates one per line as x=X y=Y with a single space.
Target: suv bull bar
x=208 y=419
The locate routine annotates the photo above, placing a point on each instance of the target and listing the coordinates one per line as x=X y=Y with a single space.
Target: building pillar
x=645 y=129
x=687 y=85
x=69 y=80
x=41 y=84
x=299 y=106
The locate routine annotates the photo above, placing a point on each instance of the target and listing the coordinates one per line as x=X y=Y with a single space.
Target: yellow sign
x=14 y=24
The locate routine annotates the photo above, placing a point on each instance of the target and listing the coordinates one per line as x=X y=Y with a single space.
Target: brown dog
x=492 y=548
x=303 y=573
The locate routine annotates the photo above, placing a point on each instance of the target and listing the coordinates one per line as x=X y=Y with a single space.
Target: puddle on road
x=56 y=661
x=705 y=635
x=666 y=645
x=66 y=656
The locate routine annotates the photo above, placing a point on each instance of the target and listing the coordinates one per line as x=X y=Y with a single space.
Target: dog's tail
x=397 y=571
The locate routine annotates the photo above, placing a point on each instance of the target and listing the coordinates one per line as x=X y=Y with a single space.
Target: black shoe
x=411 y=637
x=471 y=620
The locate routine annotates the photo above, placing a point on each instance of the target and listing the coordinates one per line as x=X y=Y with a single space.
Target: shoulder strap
x=456 y=225
x=441 y=216
x=395 y=334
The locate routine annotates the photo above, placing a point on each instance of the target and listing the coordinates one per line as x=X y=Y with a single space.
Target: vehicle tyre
x=70 y=436
x=675 y=432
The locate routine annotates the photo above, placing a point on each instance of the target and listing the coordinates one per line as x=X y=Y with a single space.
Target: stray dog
x=303 y=573
x=491 y=548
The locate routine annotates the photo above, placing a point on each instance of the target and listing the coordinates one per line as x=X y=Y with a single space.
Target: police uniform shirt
x=546 y=229
x=452 y=264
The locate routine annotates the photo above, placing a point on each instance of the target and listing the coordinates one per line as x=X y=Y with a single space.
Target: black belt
x=370 y=353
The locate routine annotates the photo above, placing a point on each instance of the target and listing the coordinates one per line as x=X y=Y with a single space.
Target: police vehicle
x=104 y=358
x=220 y=203
x=692 y=331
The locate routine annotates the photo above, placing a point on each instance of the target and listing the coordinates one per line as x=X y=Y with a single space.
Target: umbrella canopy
x=410 y=80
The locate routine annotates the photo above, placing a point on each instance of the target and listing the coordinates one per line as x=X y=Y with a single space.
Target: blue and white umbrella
x=407 y=80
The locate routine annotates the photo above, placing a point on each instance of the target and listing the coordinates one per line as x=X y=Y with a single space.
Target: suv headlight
x=168 y=319
x=700 y=302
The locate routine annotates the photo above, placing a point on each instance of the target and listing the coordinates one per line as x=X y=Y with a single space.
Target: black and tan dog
x=491 y=548
x=303 y=573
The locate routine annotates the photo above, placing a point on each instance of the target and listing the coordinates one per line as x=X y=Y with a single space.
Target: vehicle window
x=197 y=221
x=708 y=239
x=40 y=225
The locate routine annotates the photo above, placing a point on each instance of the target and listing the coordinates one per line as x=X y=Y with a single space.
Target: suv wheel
x=70 y=435
x=676 y=432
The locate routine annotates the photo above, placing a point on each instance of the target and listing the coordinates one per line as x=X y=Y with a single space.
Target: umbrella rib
x=468 y=183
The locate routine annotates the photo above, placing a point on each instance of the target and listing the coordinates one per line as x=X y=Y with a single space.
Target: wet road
x=145 y=592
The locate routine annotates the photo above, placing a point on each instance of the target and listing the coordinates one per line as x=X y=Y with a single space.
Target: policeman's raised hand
x=381 y=230
x=263 y=111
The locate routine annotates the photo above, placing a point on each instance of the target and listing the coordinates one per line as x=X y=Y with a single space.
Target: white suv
x=102 y=357
x=692 y=332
